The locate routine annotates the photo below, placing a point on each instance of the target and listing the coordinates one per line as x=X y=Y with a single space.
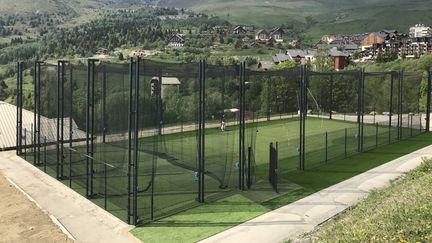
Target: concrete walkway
x=300 y=217
x=82 y=220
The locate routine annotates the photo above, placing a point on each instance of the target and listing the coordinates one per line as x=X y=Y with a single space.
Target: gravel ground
x=22 y=221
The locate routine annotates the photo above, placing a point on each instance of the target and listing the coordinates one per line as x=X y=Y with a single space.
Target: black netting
x=134 y=137
x=168 y=143
x=273 y=99
x=331 y=125
x=413 y=106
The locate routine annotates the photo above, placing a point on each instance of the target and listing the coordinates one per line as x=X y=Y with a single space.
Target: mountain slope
x=328 y=16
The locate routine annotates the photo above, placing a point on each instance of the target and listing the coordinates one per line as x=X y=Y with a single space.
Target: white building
x=8 y=136
x=420 y=30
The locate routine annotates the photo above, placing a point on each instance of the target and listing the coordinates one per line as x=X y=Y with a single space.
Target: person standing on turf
x=222 y=125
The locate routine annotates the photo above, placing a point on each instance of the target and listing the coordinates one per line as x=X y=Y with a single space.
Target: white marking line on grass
x=53 y=219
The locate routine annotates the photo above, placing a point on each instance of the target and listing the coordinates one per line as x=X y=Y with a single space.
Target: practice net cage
x=146 y=139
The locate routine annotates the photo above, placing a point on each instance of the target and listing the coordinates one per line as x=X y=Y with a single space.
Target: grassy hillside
x=61 y=6
x=329 y=16
x=401 y=213
x=44 y=6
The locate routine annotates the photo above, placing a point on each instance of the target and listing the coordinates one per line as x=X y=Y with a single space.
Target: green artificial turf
x=174 y=159
x=201 y=222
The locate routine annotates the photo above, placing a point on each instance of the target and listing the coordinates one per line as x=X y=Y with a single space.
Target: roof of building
x=300 y=53
x=280 y=57
x=336 y=53
x=343 y=45
x=178 y=36
x=169 y=80
x=266 y=64
x=277 y=29
x=48 y=126
x=262 y=32
x=239 y=27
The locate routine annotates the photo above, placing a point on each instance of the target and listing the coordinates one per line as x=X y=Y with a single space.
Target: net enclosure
x=145 y=139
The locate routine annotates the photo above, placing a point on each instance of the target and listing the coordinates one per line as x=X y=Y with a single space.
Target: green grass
x=400 y=213
x=175 y=187
x=193 y=225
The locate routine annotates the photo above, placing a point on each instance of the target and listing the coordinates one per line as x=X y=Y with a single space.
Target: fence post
x=90 y=125
x=130 y=120
x=268 y=100
x=400 y=120
x=411 y=124
x=25 y=143
x=34 y=112
x=18 y=136
x=58 y=122
x=305 y=105
x=249 y=181
x=70 y=123
x=38 y=115
x=201 y=144
x=362 y=108
x=326 y=146
x=105 y=186
x=135 y=162
x=62 y=79
x=104 y=129
x=359 y=100
x=428 y=100
x=345 y=149
x=19 y=103
x=331 y=96
x=390 y=107
x=376 y=135
x=242 y=126
x=45 y=153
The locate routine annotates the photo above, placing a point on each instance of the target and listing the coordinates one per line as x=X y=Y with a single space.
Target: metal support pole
x=135 y=157
x=19 y=102
x=268 y=100
x=62 y=81
x=104 y=105
x=200 y=120
x=25 y=143
x=376 y=135
x=249 y=161
x=303 y=113
x=88 y=129
x=345 y=149
x=242 y=127
x=305 y=109
x=411 y=124
x=58 y=100
x=91 y=65
x=362 y=108
x=400 y=74
x=202 y=172
x=359 y=102
x=326 y=146
x=35 y=94
x=331 y=96
x=201 y=148
x=18 y=136
x=130 y=122
x=45 y=154
x=38 y=116
x=93 y=73
x=105 y=186
x=390 y=107
x=71 y=114
x=428 y=100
